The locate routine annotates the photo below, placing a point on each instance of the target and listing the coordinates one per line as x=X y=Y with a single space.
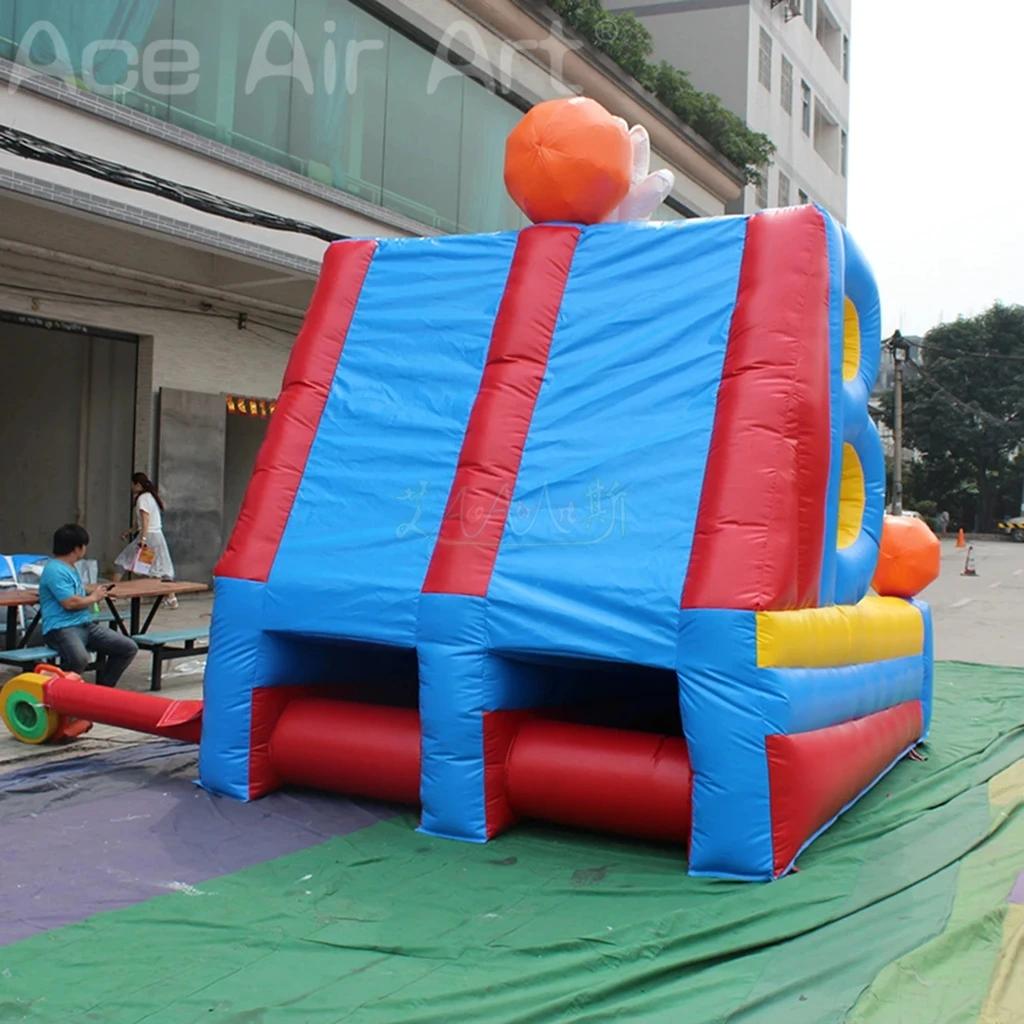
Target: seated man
x=67 y=620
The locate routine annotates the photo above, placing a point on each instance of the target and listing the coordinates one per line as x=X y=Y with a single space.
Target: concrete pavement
x=978 y=619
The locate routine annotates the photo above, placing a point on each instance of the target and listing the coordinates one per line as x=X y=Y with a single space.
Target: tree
x=964 y=412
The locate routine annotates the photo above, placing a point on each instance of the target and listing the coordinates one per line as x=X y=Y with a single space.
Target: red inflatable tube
x=609 y=780
x=357 y=749
x=174 y=719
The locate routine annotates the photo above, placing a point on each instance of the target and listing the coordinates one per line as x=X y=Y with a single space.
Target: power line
x=266 y=337
x=244 y=319
x=970 y=407
x=942 y=350
x=93 y=300
x=30 y=147
x=125 y=304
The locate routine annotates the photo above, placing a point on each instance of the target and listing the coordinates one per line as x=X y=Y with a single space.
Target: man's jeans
x=74 y=643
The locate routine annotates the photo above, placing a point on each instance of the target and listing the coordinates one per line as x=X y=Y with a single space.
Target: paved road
x=977 y=619
x=980 y=618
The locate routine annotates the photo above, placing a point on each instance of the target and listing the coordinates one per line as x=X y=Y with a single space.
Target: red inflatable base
x=610 y=780
x=814 y=775
x=357 y=749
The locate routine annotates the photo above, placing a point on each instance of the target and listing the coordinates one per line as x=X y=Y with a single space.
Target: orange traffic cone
x=960 y=541
x=969 y=569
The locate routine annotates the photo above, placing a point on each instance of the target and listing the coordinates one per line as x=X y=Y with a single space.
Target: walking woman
x=147 y=553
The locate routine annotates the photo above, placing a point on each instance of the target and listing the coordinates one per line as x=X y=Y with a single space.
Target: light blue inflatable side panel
x=928 y=694
x=234 y=666
x=862 y=288
x=837 y=301
x=454 y=669
x=725 y=703
x=856 y=564
x=595 y=552
x=362 y=529
x=816 y=698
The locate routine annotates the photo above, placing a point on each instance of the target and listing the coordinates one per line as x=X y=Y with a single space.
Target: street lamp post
x=900 y=350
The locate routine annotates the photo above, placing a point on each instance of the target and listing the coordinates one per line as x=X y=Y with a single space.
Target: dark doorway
x=66 y=434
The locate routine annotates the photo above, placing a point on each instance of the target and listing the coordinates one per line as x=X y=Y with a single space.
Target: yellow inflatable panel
x=852 y=498
x=877 y=629
x=851 y=341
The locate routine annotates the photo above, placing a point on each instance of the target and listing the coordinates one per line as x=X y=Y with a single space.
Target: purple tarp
x=100 y=833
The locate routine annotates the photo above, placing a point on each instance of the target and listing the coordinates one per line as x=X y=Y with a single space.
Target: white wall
x=719 y=47
x=796 y=154
x=709 y=44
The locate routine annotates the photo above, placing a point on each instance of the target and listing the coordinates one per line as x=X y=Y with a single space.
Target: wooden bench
x=179 y=643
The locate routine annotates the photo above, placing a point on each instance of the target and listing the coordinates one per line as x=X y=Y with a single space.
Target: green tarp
x=895 y=916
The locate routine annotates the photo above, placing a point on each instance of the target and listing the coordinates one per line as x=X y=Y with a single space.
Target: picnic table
x=14 y=600
x=136 y=590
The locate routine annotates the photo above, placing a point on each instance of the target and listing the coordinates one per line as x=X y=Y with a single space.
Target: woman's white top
x=147 y=503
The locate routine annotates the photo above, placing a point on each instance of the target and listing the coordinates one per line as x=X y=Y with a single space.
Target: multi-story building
x=139 y=329
x=781 y=65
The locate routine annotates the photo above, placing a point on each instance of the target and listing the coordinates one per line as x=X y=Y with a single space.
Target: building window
x=761 y=191
x=783 y=189
x=764 y=61
x=809 y=13
x=827 y=140
x=805 y=114
x=844 y=153
x=403 y=137
x=786 y=92
x=846 y=58
x=802 y=197
x=829 y=35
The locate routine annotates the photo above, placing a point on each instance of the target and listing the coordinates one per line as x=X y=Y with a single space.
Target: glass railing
x=321 y=88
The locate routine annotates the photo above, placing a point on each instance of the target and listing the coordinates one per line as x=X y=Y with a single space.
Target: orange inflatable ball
x=568 y=160
x=909 y=559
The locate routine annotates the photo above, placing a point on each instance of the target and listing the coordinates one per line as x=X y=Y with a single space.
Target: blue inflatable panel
x=454 y=688
x=622 y=399
x=233 y=667
x=815 y=698
x=928 y=691
x=721 y=695
x=836 y=350
x=366 y=515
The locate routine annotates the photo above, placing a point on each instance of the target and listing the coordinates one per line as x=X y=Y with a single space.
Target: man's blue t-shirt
x=58 y=582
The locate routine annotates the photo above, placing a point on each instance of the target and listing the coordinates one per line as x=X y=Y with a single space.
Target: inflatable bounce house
x=579 y=473
x=579 y=523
